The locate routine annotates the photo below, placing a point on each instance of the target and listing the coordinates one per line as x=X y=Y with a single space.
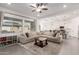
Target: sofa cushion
x=32 y=34
x=27 y=34
x=48 y=33
x=24 y=39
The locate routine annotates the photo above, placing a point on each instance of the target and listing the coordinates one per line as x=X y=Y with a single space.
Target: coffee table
x=41 y=42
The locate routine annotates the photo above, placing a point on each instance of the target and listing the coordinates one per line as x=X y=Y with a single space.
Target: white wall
x=50 y=23
x=53 y=22
x=71 y=23
x=73 y=26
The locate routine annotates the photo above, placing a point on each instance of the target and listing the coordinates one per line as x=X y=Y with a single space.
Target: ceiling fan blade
x=44 y=8
x=32 y=6
x=45 y=4
x=33 y=10
x=41 y=4
x=37 y=5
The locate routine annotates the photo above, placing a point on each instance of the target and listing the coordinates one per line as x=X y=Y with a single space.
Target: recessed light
x=64 y=6
x=9 y=3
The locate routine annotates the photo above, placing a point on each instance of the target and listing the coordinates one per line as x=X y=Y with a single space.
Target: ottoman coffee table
x=41 y=42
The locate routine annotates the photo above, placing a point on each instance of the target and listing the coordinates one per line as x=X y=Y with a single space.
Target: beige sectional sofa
x=53 y=39
x=32 y=35
x=24 y=39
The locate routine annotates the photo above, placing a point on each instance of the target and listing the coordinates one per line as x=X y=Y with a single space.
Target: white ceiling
x=53 y=8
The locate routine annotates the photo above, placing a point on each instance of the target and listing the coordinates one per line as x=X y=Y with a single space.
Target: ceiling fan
x=38 y=7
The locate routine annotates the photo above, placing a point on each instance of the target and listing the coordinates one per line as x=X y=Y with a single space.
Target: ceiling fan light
x=38 y=9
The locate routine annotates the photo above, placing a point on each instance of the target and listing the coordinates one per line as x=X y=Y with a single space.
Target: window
x=11 y=25
x=27 y=26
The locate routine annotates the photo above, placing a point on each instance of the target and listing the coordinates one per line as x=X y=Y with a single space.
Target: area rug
x=50 y=49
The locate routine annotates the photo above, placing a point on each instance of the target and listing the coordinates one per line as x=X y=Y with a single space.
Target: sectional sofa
x=32 y=35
